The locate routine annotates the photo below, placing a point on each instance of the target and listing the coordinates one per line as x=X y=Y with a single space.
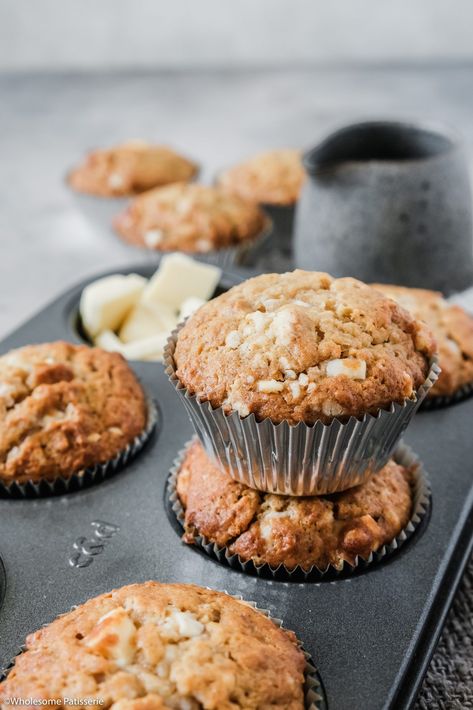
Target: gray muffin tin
x=371 y=635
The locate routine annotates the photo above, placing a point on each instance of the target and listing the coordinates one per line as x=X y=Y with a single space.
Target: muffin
x=294 y=532
x=272 y=178
x=162 y=646
x=64 y=408
x=300 y=383
x=130 y=168
x=302 y=346
x=452 y=328
x=196 y=219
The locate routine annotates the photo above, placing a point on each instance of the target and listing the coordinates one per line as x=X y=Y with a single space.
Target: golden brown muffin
x=302 y=346
x=452 y=328
x=154 y=646
x=189 y=218
x=130 y=168
x=272 y=178
x=63 y=408
x=292 y=531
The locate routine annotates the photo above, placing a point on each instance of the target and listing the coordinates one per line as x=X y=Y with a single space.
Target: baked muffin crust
x=302 y=346
x=189 y=218
x=151 y=646
x=63 y=408
x=129 y=169
x=275 y=529
x=452 y=327
x=274 y=178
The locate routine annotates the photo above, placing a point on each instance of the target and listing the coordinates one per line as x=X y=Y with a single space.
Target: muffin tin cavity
x=73 y=317
x=421 y=494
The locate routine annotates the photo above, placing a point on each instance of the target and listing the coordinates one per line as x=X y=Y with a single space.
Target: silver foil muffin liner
x=421 y=495
x=445 y=400
x=283 y=226
x=314 y=695
x=88 y=476
x=298 y=459
x=100 y=211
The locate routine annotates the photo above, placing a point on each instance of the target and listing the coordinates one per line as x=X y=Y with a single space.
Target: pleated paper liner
x=314 y=693
x=88 y=476
x=446 y=400
x=421 y=495
x=300 y=459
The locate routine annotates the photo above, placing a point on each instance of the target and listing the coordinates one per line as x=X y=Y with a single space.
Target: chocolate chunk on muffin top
x=130 y=168
x=452 y=327
x=292 y=531
x=162 y=646
x=189 y=218
x=302 y=346
x=63 y=408
x=274 y=178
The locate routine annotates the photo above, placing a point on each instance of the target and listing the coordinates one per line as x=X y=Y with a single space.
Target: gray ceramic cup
x=388 y=202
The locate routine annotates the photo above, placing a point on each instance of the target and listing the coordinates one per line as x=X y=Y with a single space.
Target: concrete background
x=91 y=34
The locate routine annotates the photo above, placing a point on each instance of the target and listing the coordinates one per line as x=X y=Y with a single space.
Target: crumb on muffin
x=152 y=646
x=63 y=408
x=273 y=178
x=292 y=531
x=302 y=346
x=190 y=218
x=129 y=169
x=452 y=327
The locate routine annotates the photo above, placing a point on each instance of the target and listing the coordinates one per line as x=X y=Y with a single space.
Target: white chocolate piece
x=105 y=303
x=153 y=237
x=114 y=637
x=270 y=386
x=145 y=321
x=108 y=340
x=189 y=306
x=151 y=348
x=179 y=277
x=350 y=367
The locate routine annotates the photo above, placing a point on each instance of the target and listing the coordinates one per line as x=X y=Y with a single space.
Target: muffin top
x=273 y=178
x=130 y=168
x=63 y=408
x=189 y=218
x=453 y=331
x=152 y=646
x=275 y=529
x=302 y=346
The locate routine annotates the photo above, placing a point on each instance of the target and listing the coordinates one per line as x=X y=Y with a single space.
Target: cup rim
x=434 y=128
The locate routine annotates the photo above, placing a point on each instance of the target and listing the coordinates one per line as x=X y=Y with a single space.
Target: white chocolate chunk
x=270 y=386
x=295 y=389
x=147 y=348
x=114 y=637
x=303 y=379
x=350 y=367
x=153 y=237
x=109 y=341
x=453 y=346
x=189 y=306
x=181 y=624
x=233 y=339
x=146 y=320
x=179 y=277
x=115 y=181
x=283 y=325
x=105 y=303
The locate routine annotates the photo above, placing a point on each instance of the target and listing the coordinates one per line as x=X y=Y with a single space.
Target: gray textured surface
x=46 y=244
